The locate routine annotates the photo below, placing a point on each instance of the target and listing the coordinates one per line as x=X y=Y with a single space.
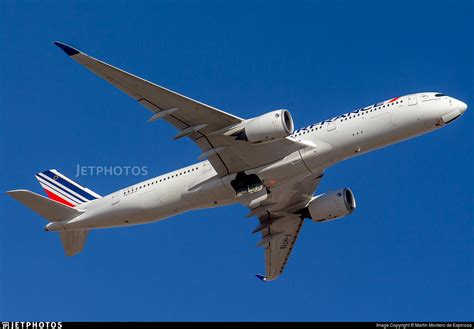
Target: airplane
x=262 y=163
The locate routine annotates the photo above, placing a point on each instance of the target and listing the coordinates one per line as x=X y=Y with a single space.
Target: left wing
x=280 y=226
x=283 y=234
x=207 y=126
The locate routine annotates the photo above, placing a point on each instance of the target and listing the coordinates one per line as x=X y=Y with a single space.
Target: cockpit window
x=439 y=95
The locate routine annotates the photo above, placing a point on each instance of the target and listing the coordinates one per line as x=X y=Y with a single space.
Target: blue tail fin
x=64 y=190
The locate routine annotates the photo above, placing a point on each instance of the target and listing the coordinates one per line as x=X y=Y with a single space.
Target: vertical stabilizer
x=63 y=189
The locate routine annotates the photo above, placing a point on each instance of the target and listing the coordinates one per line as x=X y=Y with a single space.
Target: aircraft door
x=331 y=125
x=115 y=198
x=412 y=99
x=207 y=170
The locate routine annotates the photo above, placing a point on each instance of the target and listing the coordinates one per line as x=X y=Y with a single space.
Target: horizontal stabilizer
x=47 y=208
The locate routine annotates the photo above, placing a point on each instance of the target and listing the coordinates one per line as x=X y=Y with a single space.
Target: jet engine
x=267 y=127
x=330 y=206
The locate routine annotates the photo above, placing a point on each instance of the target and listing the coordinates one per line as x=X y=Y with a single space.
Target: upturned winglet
x=70 y=51
x=261 y=277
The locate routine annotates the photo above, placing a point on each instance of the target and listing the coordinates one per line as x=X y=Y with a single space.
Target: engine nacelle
x=331 y=205
x=270 y=126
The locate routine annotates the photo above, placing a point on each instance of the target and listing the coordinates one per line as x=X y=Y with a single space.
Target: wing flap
x=279 y=225
x=279 y=248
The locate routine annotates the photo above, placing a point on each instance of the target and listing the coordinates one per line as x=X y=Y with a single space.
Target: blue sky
x=405 y=254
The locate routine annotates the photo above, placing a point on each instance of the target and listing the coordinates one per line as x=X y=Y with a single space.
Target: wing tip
x=15 y=192
x=70 y=51
x=261 y=277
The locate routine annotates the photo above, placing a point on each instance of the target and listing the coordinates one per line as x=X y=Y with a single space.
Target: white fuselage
x=331 y=141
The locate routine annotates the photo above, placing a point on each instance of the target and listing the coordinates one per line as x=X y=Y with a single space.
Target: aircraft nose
x=461 y=106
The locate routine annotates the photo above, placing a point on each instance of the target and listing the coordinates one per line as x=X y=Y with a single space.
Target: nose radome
x=459 y=105
x=462 y=106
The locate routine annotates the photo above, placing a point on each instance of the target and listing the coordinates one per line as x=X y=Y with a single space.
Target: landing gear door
x=412 y=99
x=244 y=184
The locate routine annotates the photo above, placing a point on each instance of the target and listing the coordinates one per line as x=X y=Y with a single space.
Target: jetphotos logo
x=87 y=170
x=32 y=325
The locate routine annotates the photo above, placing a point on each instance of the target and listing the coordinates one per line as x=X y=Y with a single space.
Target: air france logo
x=342 y=116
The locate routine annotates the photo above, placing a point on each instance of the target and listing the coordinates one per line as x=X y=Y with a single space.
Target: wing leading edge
x=208 y=127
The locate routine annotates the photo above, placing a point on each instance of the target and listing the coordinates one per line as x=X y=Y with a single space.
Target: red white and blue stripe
x=64 y=190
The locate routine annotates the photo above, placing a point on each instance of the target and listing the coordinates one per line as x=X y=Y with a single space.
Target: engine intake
x=330 y=206
x=267 y=127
